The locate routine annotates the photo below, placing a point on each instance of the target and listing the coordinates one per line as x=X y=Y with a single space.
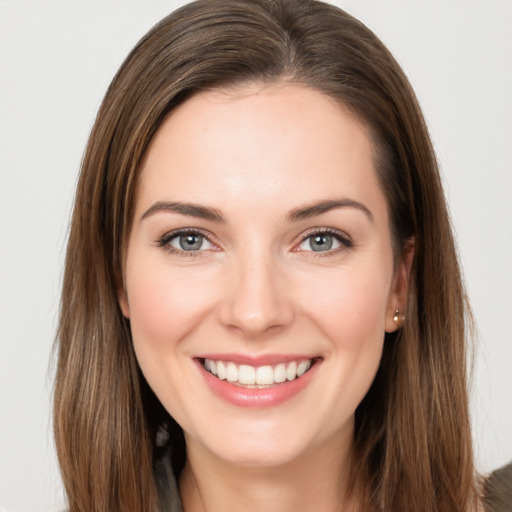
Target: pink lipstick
x=257 y=382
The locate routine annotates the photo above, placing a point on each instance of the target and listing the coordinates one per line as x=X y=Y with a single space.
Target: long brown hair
x=413 y=447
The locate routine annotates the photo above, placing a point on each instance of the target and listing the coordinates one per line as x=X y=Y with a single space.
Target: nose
x=258 y=299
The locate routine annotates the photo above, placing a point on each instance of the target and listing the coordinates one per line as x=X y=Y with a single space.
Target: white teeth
x=221 y=370
x=263 y=376
x=232 y=372
x=303 y=368
x=246 y=375
x=291 y=370
x=280 y=373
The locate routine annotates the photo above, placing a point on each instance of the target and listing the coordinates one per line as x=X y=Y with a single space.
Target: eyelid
x=164 y=240
x=343 y=238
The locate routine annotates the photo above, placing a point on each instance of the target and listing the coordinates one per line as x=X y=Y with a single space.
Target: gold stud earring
x=398 y=319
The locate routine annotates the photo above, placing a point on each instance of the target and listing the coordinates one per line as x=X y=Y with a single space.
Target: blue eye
x=321 y=242
x=188 y=241
x=324 y=241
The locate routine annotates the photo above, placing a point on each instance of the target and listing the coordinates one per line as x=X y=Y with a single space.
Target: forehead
x=281 y=142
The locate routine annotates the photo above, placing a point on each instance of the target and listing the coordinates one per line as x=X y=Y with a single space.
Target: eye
x=186 y=241
x=324 y=241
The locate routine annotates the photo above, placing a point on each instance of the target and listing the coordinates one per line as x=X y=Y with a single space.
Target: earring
x=398 y=319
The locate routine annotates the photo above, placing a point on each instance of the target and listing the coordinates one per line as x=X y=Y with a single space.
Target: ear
x=397 y=299
x=122 y=298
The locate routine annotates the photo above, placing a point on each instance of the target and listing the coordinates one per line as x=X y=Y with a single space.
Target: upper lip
x=257 y=360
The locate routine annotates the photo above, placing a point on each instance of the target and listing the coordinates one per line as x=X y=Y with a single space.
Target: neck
x=316 y=480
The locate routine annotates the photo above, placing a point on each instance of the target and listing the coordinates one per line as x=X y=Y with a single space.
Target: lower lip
x=257 y=398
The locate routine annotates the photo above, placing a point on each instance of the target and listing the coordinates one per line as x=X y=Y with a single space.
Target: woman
x=262 y=305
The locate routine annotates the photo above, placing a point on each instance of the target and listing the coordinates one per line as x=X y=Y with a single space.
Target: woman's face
x=260 y=249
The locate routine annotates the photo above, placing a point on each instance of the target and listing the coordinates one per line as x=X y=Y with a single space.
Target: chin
x=266 y=444
x=261 y=453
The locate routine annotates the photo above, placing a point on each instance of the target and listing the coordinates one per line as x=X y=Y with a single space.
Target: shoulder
x=497 y=495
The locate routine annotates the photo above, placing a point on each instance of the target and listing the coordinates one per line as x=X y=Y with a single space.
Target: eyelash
x=345 y=241
x=165 y=240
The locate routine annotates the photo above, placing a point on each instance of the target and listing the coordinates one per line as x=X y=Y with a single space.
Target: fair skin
x=261 y=279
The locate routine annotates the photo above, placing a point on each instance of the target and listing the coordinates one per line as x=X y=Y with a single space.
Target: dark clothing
x=498 y=490
x=167 y=486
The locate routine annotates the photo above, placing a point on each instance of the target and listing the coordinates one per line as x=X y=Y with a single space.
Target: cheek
x=351 y=308
x=351 y=315
x=164 y=305
x=354 y=321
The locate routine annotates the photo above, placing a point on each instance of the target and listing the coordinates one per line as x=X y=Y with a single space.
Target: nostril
x=256 y=300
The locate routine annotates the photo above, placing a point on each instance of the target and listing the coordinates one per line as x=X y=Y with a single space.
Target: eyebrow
x=212 y=214
x=311 y=210
x=190 y=209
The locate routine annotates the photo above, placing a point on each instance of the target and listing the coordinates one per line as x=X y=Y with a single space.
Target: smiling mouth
x=260 y=377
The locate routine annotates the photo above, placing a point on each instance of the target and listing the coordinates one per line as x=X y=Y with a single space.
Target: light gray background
x=56 y=60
